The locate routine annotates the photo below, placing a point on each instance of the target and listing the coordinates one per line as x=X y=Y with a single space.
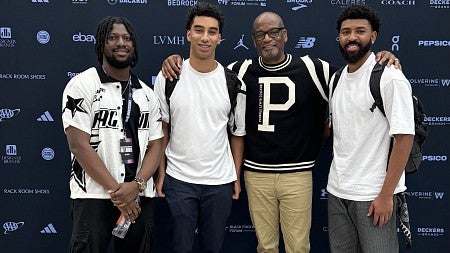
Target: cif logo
x=83 y=37
x=5 y=32
x=11 y=150
x=395 y=40
x=223 y=2
x=434 y=158
x=305 y=42
x=11 y=226
x=8 y=113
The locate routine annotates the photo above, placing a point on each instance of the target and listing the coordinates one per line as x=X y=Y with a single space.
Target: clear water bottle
x=122 y=225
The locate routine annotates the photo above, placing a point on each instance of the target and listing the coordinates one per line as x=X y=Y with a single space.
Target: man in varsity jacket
x=361 y=200
x=203 y=164
x=113 y=125
x=285 y=115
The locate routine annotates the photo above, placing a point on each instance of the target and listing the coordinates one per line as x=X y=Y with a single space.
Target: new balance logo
x=45 y=117
x=305 y=42
x=49 y=229
x=39 y=1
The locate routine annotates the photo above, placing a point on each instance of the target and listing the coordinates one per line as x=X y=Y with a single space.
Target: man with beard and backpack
x=361 y=199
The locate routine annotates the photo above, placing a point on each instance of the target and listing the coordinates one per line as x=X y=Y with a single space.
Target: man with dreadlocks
x=113 y=125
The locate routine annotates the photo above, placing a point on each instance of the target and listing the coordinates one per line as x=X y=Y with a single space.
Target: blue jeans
x=209 y=205
x=94 y=219
x=352 y=231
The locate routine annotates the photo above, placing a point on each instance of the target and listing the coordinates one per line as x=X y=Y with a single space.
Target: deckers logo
x=6 y=39
x=168 y=40
x=83 y=37
x=437 y=121
x=431 y=232
x=440 y=4
x=305 y=42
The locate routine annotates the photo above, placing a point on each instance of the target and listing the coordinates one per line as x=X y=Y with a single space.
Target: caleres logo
x=430 y=231
x=168 y=40
x=345 y=3
x=305 y=42
x=8 y=113
x=12 y=226
x=79 y=37
x=434 y=158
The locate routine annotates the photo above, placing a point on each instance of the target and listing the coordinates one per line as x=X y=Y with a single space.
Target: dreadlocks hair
x=360 y=11
x=207 y=10
x=104 y=28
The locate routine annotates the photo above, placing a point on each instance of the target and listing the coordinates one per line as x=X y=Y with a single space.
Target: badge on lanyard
x=126 y=150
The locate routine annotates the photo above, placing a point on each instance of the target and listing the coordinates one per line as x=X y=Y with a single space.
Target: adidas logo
x=49 y=229
x=45 y=117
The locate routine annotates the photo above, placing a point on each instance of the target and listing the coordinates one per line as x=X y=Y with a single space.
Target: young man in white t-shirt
x=203 y=165
x=361 y=186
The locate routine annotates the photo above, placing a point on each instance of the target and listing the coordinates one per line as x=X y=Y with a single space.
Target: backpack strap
x=170 y=86
x=375 y=87
x=335 y=80
x=320 y=82
x=234 y=87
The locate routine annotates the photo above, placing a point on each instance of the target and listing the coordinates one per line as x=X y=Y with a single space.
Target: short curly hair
x=204 y=9
x=104 y=28
x=360 y=11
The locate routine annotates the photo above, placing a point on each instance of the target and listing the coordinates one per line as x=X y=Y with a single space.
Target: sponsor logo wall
x=39 y=58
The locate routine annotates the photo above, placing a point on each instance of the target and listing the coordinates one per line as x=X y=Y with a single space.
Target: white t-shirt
x=92 y=102
x=361 y=138
x=198 y=151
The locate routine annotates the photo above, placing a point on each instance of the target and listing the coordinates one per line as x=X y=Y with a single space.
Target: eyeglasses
x=273 y=33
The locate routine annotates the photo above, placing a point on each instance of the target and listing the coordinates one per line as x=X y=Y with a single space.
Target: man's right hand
x=171 y=67
x=159 y=184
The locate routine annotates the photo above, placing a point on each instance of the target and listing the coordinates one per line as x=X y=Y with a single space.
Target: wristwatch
x=142 y=184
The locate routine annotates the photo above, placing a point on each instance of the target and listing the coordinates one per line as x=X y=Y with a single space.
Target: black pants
x=94 y=219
